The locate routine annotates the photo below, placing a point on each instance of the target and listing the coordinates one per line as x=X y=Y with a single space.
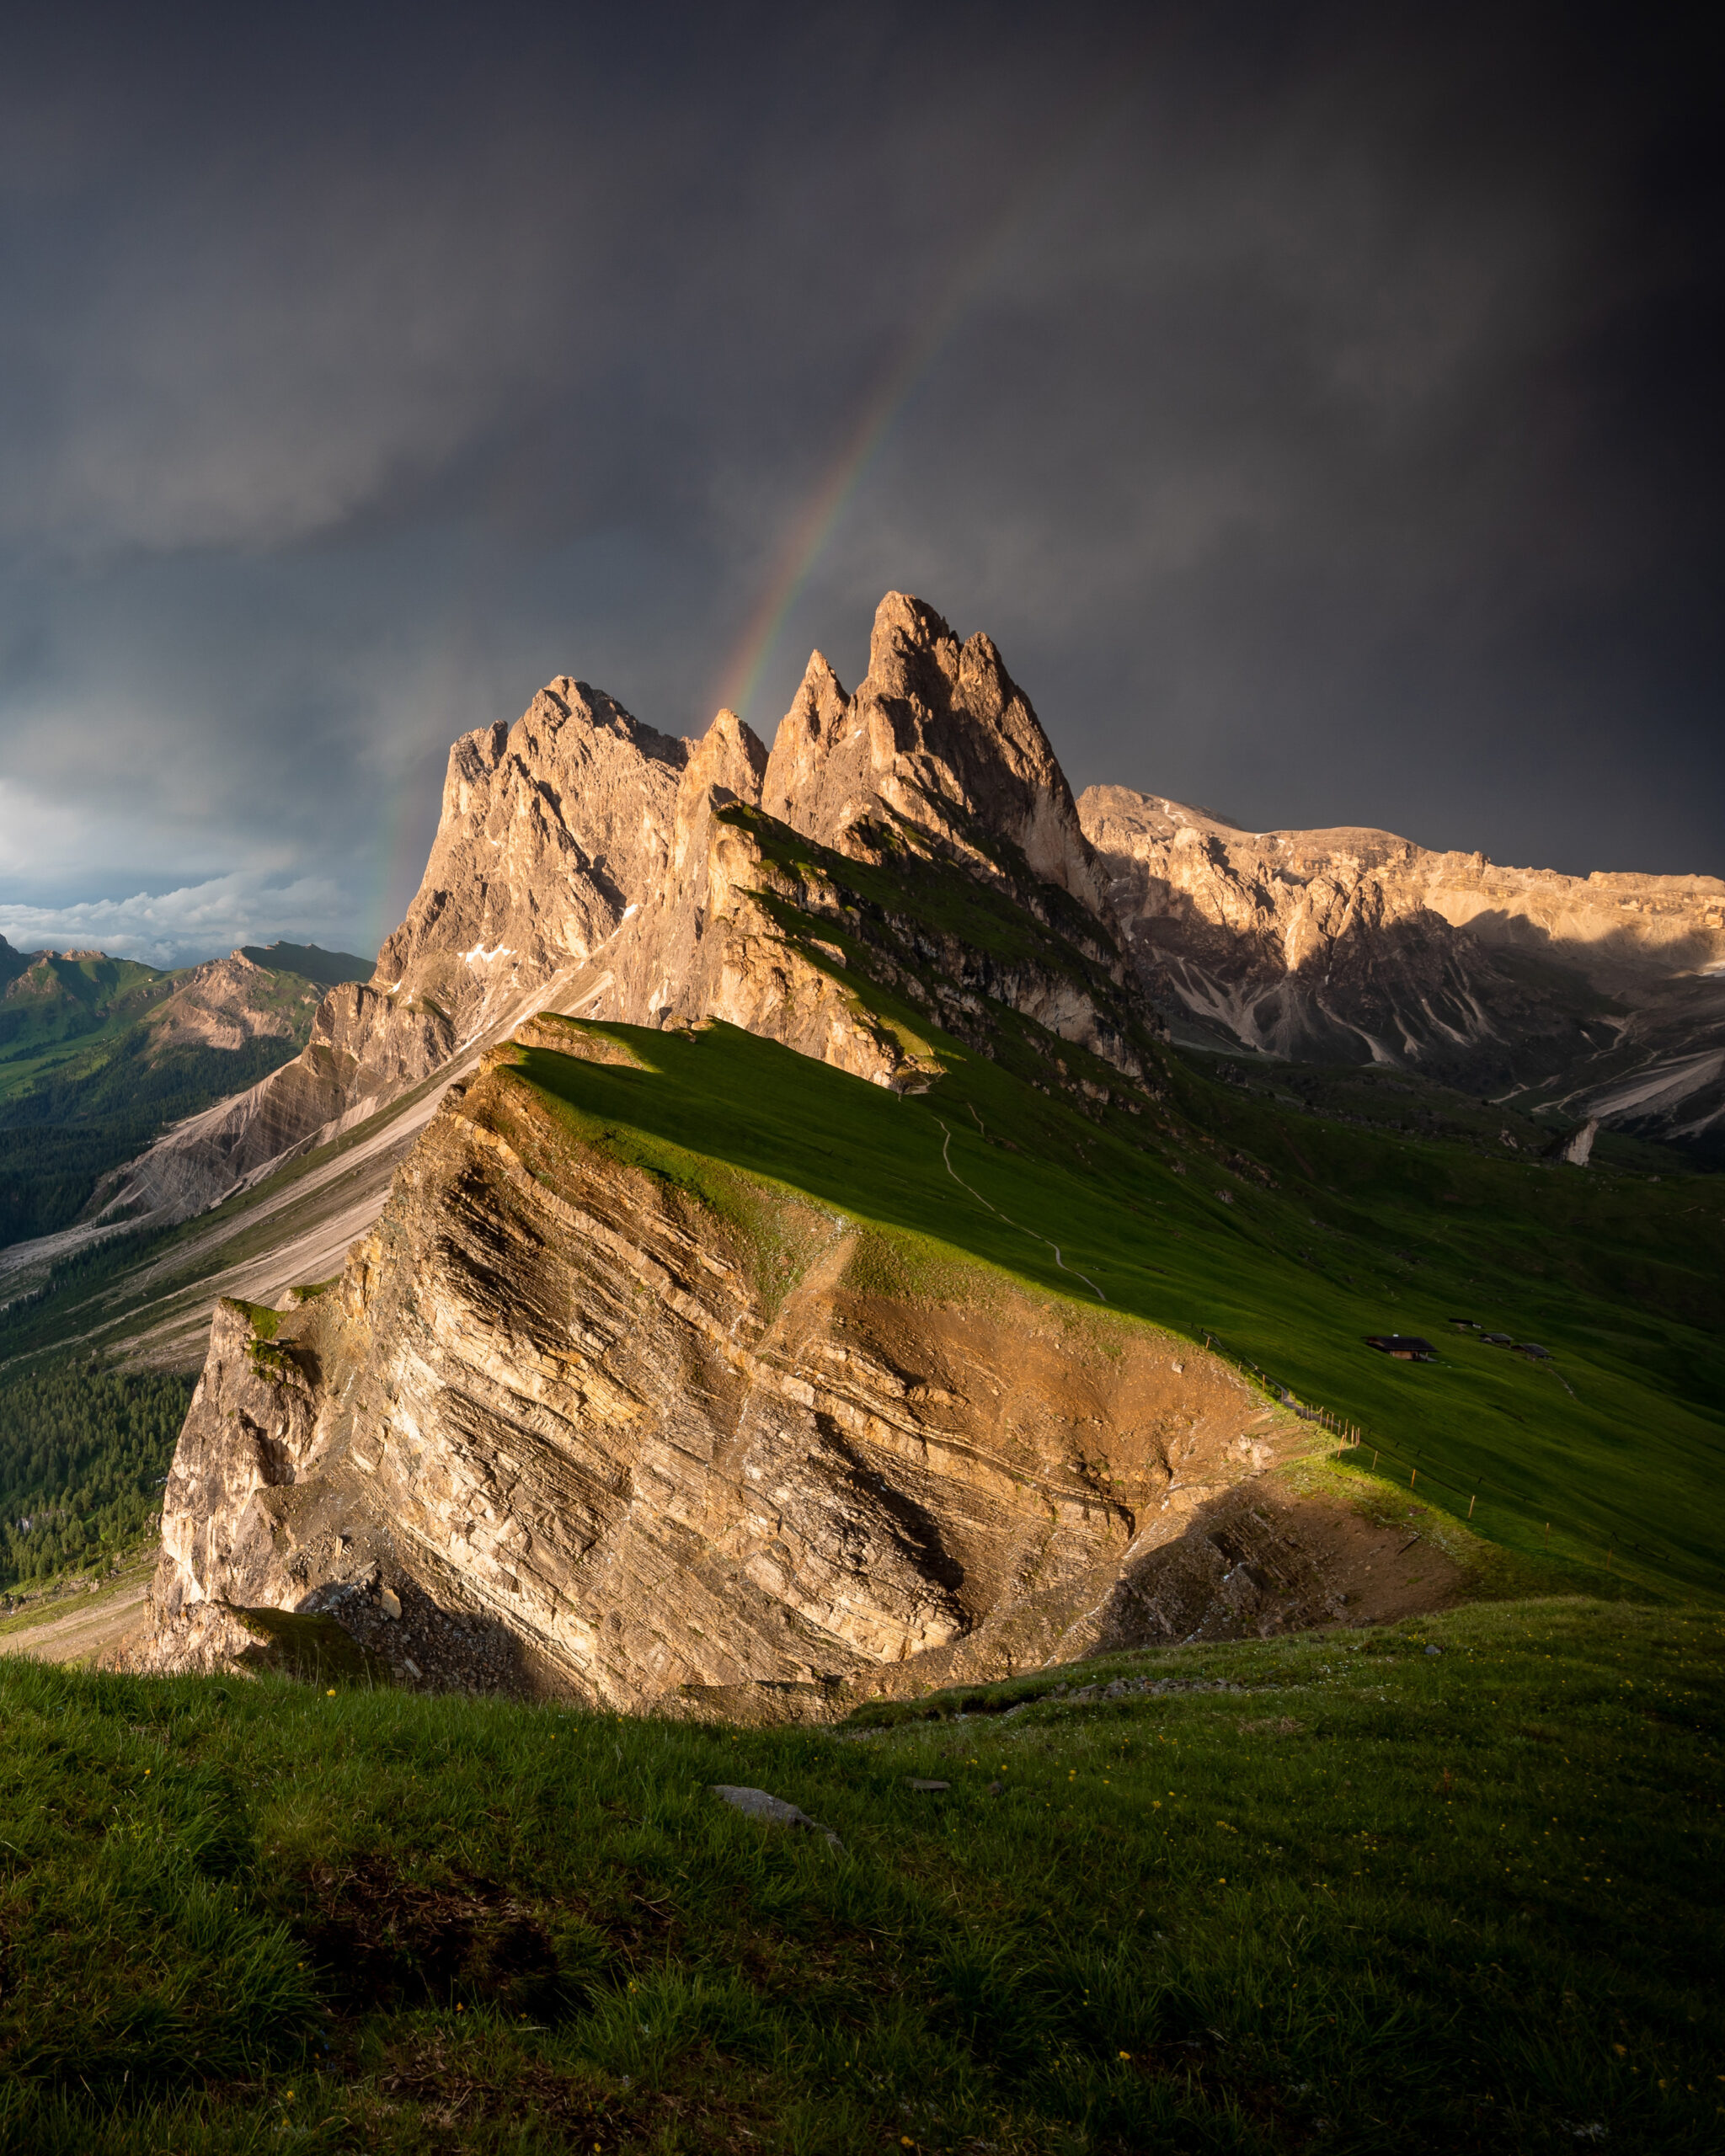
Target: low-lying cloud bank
x=197 y=921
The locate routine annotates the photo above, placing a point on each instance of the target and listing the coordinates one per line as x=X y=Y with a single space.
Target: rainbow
x=823 y=512
x=812 y=529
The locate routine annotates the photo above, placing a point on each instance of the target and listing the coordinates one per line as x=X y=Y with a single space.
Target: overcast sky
x=1320 y=408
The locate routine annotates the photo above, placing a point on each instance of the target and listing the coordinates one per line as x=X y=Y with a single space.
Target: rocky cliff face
x=565 y=1426
x=1357 y=945
x=553 y=833
x=939 y=734
x=585 y=862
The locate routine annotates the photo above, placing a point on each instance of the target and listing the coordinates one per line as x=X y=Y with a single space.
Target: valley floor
x=1453 y=1884
x=85 y=1623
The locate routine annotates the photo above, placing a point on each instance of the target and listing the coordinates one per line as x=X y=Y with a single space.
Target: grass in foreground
x=1376 y=1898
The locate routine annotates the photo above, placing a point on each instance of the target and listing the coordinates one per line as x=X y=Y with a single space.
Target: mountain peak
x=731 y=753
x=908 y=646
x=938 y=733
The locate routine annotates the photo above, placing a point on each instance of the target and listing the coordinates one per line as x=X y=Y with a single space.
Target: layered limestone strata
x=562 y=1426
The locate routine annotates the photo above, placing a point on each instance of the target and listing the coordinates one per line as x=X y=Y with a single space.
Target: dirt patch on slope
x=82 y=1627
x=1383 y=1571
x=1254 y=1561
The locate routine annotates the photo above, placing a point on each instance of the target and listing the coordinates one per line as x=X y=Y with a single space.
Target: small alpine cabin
x=1405 y=1346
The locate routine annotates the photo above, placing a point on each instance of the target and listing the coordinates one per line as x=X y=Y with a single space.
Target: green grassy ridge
x=51 y=983
x=61 y=1011
x=1402 y=1103
x=1626 y=1455
x=310 y=962
x=1467 y=1901
x=1612 y=1234
x=61 y=1018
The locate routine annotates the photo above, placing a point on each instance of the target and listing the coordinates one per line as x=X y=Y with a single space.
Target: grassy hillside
x=104 y=1297
x=62 y=1134
x=1401 y=1103
x=310 y=962
x=1336 y=1229
x=91 y=1073
x=1288 y=1240
x=1374 y=1897
x=58 y=1011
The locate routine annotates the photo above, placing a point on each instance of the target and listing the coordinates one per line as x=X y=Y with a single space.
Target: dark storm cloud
x=1317 y=406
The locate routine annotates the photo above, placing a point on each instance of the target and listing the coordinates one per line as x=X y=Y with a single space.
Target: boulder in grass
x=772 y=1811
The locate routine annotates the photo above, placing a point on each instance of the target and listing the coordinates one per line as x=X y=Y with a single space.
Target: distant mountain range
x=99 y=1055
x=1599 y=996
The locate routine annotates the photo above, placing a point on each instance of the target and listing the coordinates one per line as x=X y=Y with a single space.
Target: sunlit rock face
x=1357 y=945
x=583 y=861
x=563 y=1427
x=552 y=832
x=940 y=733
x=228 y=1002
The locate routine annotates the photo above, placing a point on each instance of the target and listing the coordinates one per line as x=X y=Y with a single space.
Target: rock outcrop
x=940 y=734
x=228 y=1002
x=565 y=1426
x=553 y=833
